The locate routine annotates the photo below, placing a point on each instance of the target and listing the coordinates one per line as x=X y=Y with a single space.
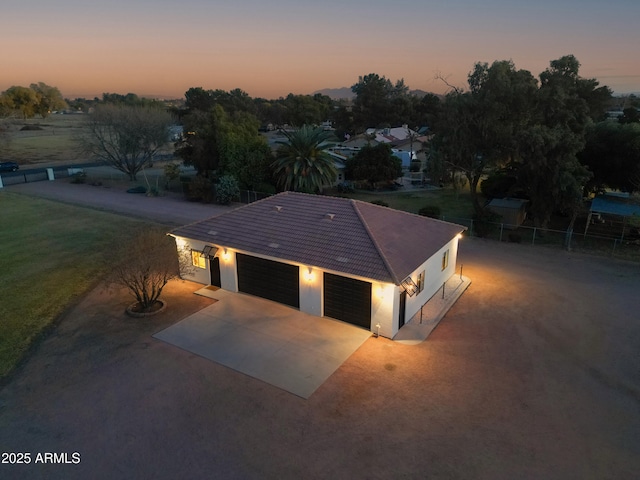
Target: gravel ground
x=534 y=373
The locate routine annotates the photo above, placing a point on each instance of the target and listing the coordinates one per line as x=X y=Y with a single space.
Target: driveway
x=274 y=343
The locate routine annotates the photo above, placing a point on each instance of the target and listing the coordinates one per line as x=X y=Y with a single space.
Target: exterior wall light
x=226 y=256
x=309 y=276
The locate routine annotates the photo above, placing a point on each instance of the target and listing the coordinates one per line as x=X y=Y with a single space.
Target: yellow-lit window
x=445 y=260
x=198 y=260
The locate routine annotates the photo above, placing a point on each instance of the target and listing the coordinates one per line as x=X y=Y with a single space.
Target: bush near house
x=432 y=211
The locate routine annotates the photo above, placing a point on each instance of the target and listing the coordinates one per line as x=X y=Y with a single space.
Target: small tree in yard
x=144 y=264
x=127 y=137
x=227 y=189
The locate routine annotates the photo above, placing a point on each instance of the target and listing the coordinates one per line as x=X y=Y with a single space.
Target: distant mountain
x=346 y=93
x=343 y=93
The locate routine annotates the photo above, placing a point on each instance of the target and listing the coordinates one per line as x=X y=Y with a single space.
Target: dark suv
x=8 y=166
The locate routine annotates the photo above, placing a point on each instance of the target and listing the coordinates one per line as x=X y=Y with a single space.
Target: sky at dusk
x=271 y=48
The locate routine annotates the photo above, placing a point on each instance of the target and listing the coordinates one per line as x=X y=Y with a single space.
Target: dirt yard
x=534 y=373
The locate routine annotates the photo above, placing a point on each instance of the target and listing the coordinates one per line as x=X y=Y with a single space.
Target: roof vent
x=274 y=245
x=278 y=208
x=329 y=216
x=212 y=232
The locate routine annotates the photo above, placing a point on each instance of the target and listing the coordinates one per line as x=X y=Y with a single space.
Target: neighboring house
x=391 y=135
x=354 y=261
x=340 y=162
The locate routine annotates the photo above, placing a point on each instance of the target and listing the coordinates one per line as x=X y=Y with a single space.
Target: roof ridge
x=392 y=273
x=411 y=214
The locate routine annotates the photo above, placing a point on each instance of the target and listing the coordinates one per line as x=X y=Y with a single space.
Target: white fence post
x=50 y=175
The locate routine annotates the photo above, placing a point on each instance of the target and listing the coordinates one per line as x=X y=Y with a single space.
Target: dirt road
x=534 y=373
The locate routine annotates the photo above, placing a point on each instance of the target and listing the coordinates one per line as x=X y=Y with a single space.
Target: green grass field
x=451 y=204
x=57 y=141
x=50 y=255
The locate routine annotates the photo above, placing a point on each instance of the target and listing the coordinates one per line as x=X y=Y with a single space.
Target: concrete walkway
x=274 y=343
x=421 y=325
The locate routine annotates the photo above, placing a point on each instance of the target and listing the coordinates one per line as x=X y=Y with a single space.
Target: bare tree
x=144 y=263
x=127 y=137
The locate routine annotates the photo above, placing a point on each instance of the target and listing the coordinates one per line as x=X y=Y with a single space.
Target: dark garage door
x=268 y=279
x=347 y=299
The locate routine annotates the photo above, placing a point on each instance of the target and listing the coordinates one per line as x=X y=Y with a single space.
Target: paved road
x=534 y=373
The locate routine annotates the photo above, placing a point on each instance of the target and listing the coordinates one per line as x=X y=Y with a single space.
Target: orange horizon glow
x=272 y=50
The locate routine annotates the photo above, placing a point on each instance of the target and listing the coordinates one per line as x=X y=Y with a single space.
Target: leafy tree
x=612 y=154
x=143 y=263
x=550 y=171
x=217 y=143
x=630 y=115
x=201 y=143
x=374 y=165
x=479 y=129
x=125 y=137
x=227 y=189
x=49 y=99
x=200 y=99
x=20 y=99
x=302 y=162
x=379 y=103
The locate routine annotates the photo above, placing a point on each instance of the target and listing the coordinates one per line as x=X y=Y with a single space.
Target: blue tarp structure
x=614 y=204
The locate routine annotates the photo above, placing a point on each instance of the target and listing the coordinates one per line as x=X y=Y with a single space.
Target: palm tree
x=302 y=161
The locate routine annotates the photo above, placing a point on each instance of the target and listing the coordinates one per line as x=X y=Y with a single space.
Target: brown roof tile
x=332 y=233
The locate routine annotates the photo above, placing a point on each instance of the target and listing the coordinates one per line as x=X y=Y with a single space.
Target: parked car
x=8 y=166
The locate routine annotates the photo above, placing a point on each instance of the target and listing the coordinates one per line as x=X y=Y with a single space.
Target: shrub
x=432 y=211
x=345 y=187
x=227 y=189
x=485 y=223
x=172 y=172
x=382 y=203
x=79 y=177
x=199 y=188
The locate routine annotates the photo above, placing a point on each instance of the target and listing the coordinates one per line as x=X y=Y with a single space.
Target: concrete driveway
x=274 y=343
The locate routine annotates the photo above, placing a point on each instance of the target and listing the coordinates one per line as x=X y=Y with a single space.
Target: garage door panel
x=347 y=299
x=269 y=279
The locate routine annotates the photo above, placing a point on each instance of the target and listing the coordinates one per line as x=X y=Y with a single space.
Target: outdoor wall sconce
x=226 y=255
x=309 y=275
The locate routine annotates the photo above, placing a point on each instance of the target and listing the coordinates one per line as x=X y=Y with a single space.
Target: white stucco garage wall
x=434 y=278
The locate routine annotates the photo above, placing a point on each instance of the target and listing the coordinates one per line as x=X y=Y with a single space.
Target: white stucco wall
x=434 y=278
x=384 y=308
x=311 y=291
x=385 y=297
x=189 y=272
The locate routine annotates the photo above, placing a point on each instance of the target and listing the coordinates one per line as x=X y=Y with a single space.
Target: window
x=420 y=281
x=445 y=260
x=198 y=260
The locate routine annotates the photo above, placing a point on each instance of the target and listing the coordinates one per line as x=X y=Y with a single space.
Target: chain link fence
x=620 y=246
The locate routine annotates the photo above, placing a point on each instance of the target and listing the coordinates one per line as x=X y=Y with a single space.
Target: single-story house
x=346 y=259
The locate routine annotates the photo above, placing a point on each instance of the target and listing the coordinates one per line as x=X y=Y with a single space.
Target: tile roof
x=332 y=233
